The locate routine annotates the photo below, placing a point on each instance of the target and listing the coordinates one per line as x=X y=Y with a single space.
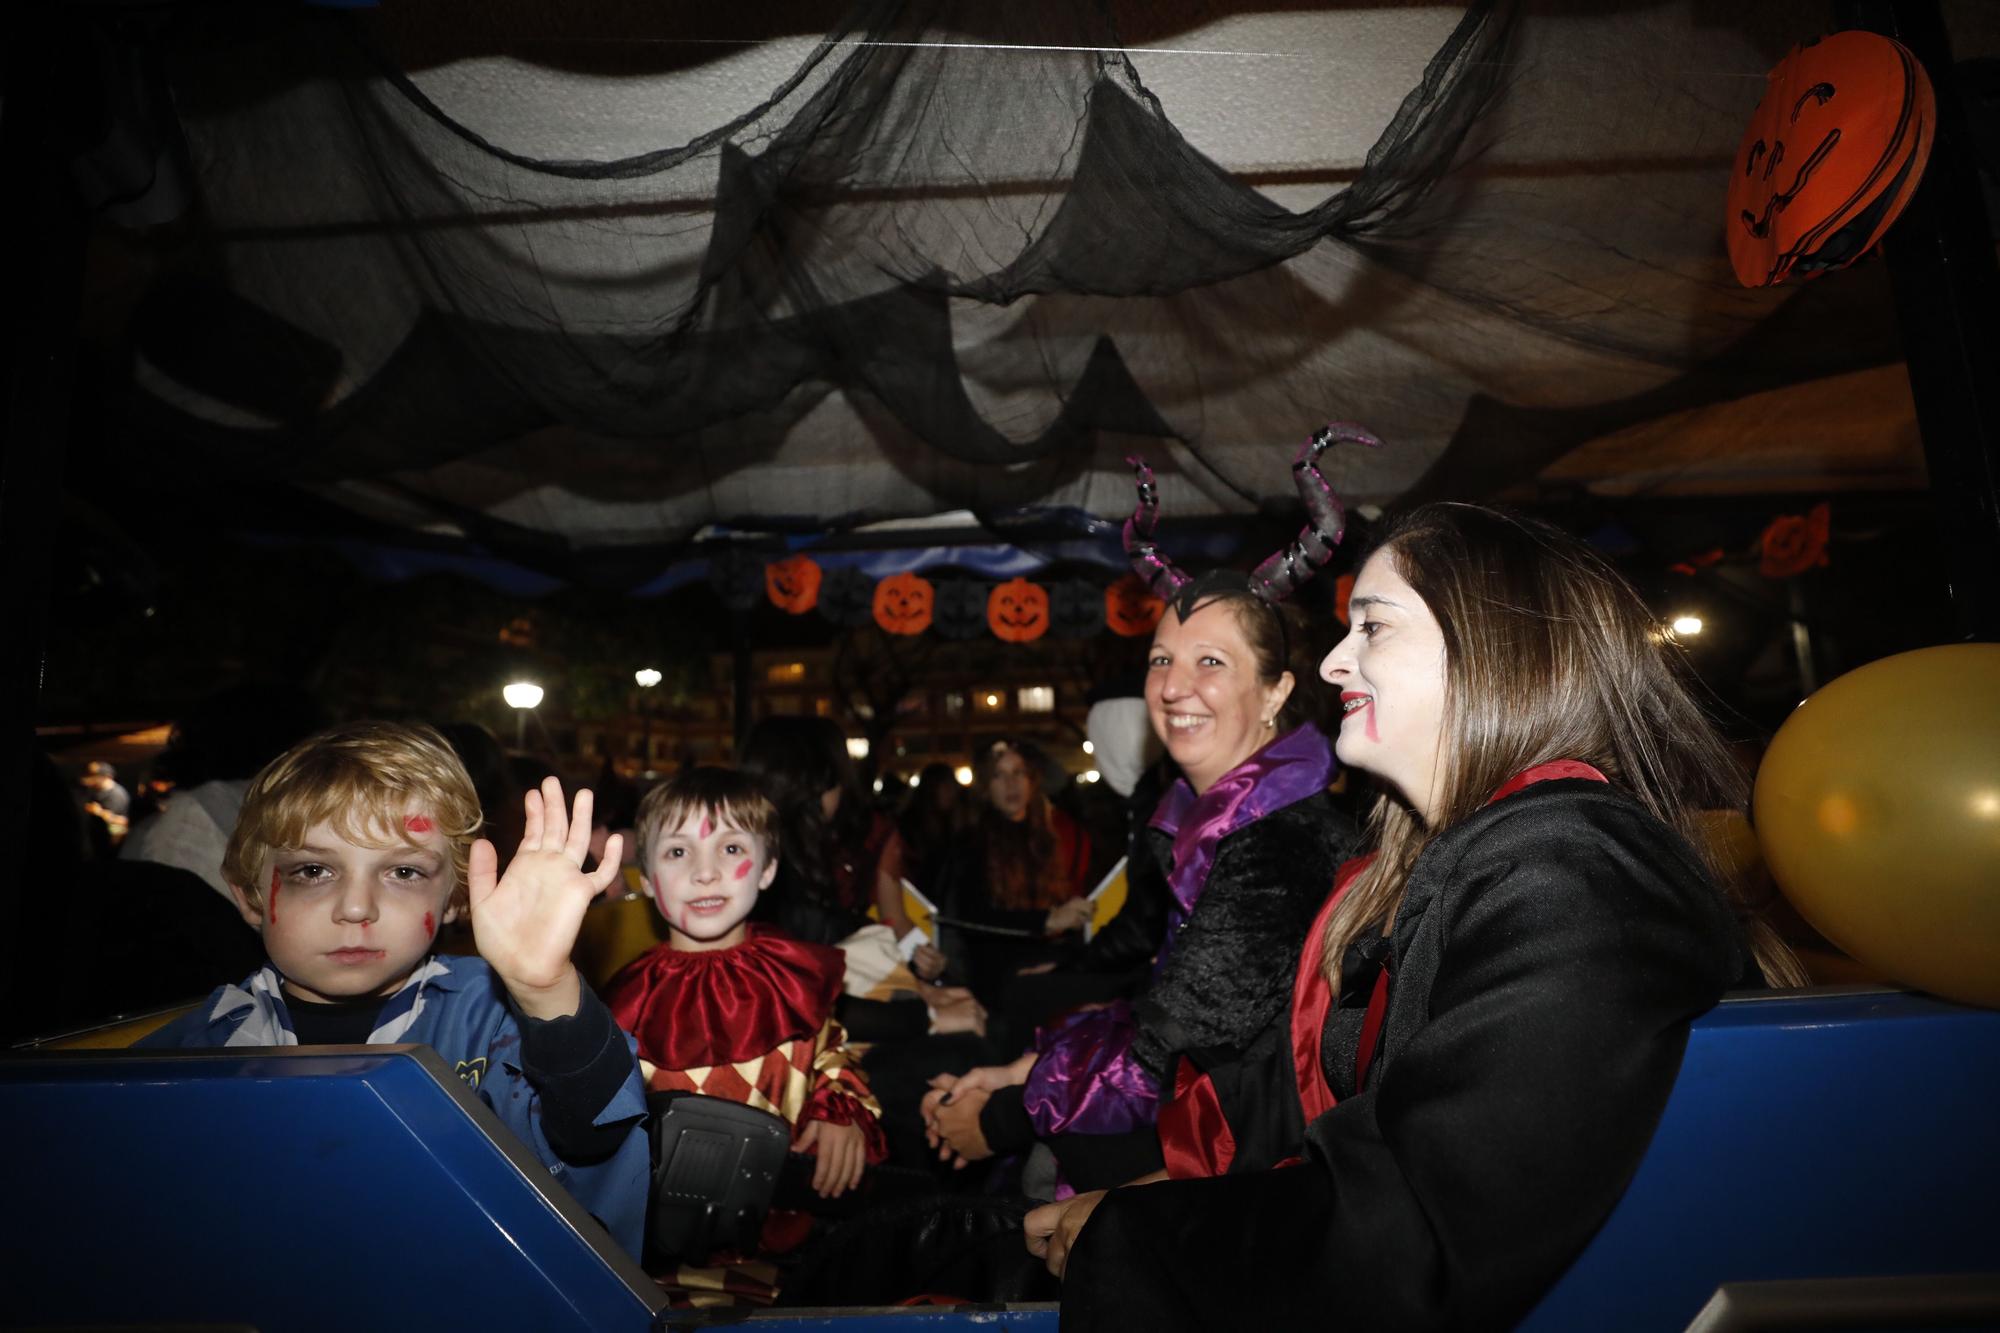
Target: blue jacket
x=464 y=1016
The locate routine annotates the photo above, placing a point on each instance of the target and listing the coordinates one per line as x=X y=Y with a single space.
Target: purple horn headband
x=1160 y=574
x=1279 y=576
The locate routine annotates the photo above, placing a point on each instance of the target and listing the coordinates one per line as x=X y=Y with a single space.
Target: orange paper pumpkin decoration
x=903 y=604
x=1017 y=611
x=1130 y=609
x=1792 y=545
x=792 y=584
x=1832 y=154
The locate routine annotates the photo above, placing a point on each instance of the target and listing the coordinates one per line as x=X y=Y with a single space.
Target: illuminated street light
x=964 y=775
x=521 y=695
x=1687 y=626
x=647 y=678
x=857 y=747
x=1089 y=748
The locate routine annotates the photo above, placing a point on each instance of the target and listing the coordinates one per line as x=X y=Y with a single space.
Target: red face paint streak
x=743 y=871
x=1373 y=734
x=706 y=827
x=271 y=898
x=430 y=924
x=418 y=824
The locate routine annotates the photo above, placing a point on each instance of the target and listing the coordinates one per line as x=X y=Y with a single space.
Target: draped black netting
x=961 y=257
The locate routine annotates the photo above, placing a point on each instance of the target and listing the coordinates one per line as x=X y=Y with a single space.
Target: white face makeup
x=1390 y=671
x=342 y=920
x=1207 y=705
x=705 y=877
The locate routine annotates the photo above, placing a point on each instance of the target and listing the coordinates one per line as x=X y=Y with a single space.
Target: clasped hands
x=951 y=1109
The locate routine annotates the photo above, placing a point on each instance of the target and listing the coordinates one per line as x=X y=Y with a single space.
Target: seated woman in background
x=1250 y=841
x=1491 y=1010
x=1018 y=878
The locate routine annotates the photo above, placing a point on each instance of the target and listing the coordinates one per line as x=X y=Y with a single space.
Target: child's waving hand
x=525 y=921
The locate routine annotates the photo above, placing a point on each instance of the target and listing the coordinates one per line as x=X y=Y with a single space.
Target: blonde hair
x=1549 y=654
x=363 y=779
x=731 y=796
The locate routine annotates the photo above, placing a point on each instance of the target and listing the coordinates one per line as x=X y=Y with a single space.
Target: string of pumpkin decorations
x=1013 y=611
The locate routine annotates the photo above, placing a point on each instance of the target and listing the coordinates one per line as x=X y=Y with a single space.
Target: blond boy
x=350 y=853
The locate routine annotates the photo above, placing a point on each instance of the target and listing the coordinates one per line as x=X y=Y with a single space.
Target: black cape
x=1549 y=955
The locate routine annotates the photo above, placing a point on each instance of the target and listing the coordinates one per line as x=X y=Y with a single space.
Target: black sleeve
x=1130 y=939
x=1231 y=970
x=1004 y=1120
x=1455 y=1188
x=577 y=1064
x=882 y=1020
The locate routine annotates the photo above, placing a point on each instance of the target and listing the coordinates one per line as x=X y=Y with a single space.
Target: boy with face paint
x=350 y=852
x=730 y=1008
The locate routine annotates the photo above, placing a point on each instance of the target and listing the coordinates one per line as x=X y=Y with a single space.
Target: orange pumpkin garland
x=1130 y=609
x=903 y=604
x=1792 y=545
x=1017 y=611
x=792 y=584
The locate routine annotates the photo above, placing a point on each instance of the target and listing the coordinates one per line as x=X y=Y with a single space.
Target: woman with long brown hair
x=1490 y=1012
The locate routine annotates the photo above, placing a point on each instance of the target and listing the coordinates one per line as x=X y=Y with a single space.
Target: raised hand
x=525 y=922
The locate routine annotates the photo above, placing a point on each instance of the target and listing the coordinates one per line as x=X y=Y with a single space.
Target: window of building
x=785 y=673
x=954 y=704
x=1036 y=698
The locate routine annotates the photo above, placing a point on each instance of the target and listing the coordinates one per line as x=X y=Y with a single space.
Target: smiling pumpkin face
x=1017 y=611
x=793 y=584
x=1130 y=609
x=904 y=603
x=1832 y=154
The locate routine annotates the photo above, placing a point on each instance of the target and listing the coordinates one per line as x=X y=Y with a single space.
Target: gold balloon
x=1878 y=809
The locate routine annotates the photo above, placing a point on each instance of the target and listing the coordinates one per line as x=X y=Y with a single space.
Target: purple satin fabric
x=1287 y=770
x=1086 y=1079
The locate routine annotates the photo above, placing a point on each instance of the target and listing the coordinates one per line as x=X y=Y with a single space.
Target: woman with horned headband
x=1491 y=1008
x=1250 y=839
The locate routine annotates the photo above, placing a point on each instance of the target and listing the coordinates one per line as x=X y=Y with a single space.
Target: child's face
x=705 y=877
x=342 y=921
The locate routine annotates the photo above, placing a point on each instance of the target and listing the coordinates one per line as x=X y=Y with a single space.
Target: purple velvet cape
x=1086 y=1079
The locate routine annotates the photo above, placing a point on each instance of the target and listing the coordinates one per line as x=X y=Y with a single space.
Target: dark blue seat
x=338 y=1188
x=1818 y=1135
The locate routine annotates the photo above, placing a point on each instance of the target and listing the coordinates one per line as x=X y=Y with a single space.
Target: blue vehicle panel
x=1822 y=1135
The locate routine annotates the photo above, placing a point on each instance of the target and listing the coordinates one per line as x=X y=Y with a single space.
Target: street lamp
x=1687 y=625
x=521 y=696
x=647 y=678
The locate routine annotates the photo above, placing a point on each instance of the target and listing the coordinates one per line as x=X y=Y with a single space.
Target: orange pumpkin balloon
x=1130 y=609
x=1831 y=156
x=792 y=584
x=1017 y=611
x=903 y=604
